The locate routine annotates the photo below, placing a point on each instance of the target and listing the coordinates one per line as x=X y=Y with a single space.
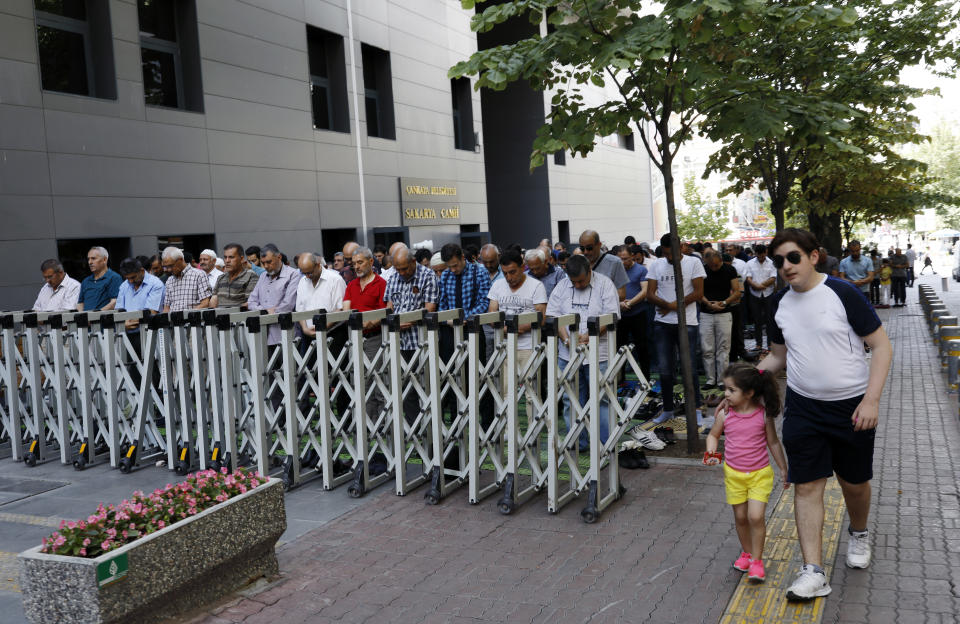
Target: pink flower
x=161 y=524
x=83 y=552
x=223 y=470
x=105 y=545
x=86 y=542
x=59 y=541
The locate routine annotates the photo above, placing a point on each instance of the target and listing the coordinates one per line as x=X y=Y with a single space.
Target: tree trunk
x=778 y=208
x=827 y=230
x=686 y=365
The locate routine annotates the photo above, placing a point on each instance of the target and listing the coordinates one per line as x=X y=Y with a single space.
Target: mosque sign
x=429 y=202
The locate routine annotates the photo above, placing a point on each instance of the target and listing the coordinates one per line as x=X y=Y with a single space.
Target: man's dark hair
x=235 y=246
x=563 y=256
x=616 y=249
x=52 y=263
x=727 y=258
x=130 y=265
x=253 y=249
x=283 y=258
x=577 y=266
x=629 y=240
x=188 y=257
x=144 y=261
x=635 y=249
x=450 y=251
x=759 y=248
x=272 y=249
x=515 y=247
x=563 y=246
x=803 y=239
x=698 y=247
x=471 y=252
x=380 y=249
x=421 y=255
x=152 y=259
x=665 y=240
x=708 y=245
x=511 y=256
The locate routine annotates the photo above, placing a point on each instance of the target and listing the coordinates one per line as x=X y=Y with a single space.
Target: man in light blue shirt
x=139 y=291
x=857 y=269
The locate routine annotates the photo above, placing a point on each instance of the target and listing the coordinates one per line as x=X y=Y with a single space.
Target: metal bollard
x=944 y=284
x=948 y=331
x=953 y=366
x=936 y=313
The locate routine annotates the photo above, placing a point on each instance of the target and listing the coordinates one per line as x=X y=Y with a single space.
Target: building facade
x=134 y=124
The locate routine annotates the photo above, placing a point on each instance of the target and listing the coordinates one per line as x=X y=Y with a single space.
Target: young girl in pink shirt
x=753 y=398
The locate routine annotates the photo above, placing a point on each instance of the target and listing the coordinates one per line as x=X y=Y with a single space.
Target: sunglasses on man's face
x=792 y=257
x=588 y=247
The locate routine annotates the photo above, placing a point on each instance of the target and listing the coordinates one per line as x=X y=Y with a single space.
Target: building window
x=75 y=47
x=560 y=158
x=170 y=54
x=328 y=80
x=463 y=135
x=625 y=141
x=378 y=92
x=563 y=231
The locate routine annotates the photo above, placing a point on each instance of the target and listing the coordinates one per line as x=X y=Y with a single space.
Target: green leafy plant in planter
x=112 y=526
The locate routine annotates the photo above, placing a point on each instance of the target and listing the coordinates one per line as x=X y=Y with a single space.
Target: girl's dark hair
x=763 y=384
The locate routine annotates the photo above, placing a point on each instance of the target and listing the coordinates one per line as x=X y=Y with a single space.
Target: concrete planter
x=185 y=565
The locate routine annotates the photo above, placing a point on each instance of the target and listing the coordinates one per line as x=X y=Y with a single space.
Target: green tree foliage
x=701 y=221
x=673 y=65
x=942 y=157
x=843 y=83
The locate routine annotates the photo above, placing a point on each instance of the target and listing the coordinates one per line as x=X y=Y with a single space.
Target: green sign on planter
x=112 y=570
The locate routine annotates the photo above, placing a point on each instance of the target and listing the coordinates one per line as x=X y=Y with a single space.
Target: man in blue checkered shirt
x=464 y=284
x=412 y=287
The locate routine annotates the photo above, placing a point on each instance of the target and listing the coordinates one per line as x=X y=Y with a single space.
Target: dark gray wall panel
x=99 y=176
x=20 y=297
x=255 y=215
x=24 y=173
x=27 y=254
x=232 y=148
x=89 y=217
x=26 y=216
x=21 y=128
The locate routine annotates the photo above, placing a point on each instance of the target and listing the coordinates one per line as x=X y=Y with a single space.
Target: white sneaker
x=647 y=439
x=858 y=550
x=809 y=584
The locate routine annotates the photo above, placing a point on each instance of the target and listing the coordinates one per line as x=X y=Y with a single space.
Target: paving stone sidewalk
x=662 y=554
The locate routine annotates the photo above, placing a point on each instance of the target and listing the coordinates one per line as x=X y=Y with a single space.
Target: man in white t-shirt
x=662 y=293
x=761 y=277
x=911 y=255
x=516 y=293
x=818 y=327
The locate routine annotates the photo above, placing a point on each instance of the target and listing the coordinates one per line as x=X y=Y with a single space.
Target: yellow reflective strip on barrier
x=130 y=452
x=183 y=454
x=33 y=445
x=216 y=450
x=83 y=447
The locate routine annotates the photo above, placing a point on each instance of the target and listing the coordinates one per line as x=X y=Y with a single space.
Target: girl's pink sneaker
x=756 y=571
x=743 y=562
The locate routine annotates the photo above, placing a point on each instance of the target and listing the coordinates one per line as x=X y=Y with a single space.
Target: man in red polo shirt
x=365 y=293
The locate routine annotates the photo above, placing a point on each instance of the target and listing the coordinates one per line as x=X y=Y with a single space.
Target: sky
x=932 y=109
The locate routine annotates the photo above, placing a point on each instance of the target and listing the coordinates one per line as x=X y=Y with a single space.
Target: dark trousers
x=758 y=310
x=633 y=329
x=910 y=276
x=666 y=337
x=737 y=350
x=899 y=285
x=875 y=291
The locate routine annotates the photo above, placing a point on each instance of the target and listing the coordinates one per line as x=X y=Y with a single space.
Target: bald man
x=604 y=263
x=490 y=258
x=347 y=272
x=394 y=248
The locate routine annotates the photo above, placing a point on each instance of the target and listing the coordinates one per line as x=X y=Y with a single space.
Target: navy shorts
x=819 y=439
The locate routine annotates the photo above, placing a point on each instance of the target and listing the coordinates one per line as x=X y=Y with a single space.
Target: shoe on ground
x=756 y=571
x=858 y=550
x=743 y=562
x=633 y=459
x=648 y=439
x=810 y=583
x=666 y=434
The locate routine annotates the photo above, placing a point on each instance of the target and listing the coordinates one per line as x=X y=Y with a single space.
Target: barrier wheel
x=126 y=465
x=30 y=459
x=80 y=463
x=432 y=497
x=181 y=468
x=505 y=507
x=589 y=516
x=216 y=465
x=354 y=492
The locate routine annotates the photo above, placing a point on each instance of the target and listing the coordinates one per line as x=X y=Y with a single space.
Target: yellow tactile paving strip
x=766 y=602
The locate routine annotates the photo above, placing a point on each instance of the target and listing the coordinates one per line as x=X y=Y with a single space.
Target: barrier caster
x=354 y=491
x=505 y=507
x=80 y=463
x=432 y=497
x=588 y=515
x=181 y=468
x=216 y=465
x=126 y=465
x=30 y=459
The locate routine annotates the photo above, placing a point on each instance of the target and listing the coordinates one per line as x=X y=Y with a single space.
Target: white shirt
x=823 y=329
x=662 y=272
x=327 y=294
x=509 y=301
x=741 y=268
x=911 y=256
x=599 y=298
x=213 y=276
x=760 y=273
x=386 y=273
x=63 y=299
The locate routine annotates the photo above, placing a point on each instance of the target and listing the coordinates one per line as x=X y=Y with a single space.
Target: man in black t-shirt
x=721 y=289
